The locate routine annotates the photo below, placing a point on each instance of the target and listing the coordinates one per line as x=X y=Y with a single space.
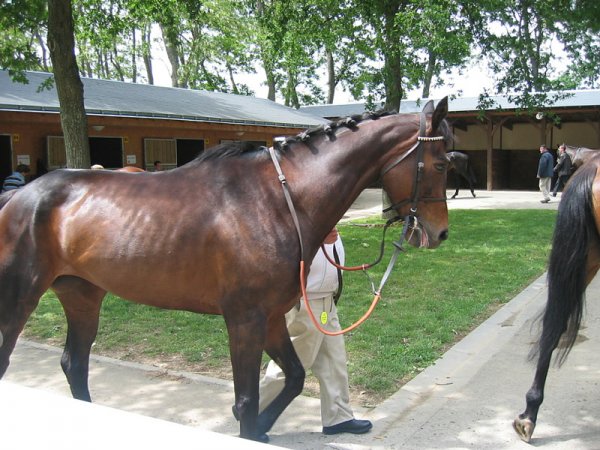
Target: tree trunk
x=172 y=54
x=134 y=71
x=147 y=53
x=69 y=87
x=392 y=68
x=392 y=74
x=271 y=83
x=291 y=97
x=234 y=87
x=330 y=77
x=429 y=74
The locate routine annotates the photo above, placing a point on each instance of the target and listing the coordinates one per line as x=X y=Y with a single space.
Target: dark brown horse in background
x=460 y=164
x=580 y=155
x=574 y=261
x=214 y=236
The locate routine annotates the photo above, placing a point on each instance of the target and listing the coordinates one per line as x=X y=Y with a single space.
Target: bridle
x=416 y=188
x=410 y=221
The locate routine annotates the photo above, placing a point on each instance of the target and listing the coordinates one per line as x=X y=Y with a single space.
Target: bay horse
x=459 y=162
x=573 y=263
x=580 y=155
x=214 y=236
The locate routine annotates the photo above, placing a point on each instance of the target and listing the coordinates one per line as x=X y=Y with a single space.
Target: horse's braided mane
x=331 y=128
x=232 y=149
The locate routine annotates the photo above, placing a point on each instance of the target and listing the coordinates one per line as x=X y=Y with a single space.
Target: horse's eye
x=440 y=167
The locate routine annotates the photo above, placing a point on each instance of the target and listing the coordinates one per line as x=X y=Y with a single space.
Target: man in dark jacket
x=562 y=168
x=545 y=172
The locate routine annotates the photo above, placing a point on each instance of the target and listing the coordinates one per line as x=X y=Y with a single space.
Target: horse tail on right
x=574 y=234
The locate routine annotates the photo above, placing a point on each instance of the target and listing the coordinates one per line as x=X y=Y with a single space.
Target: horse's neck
x=336 y=171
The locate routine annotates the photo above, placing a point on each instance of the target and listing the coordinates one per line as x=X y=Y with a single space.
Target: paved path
x=467 y=400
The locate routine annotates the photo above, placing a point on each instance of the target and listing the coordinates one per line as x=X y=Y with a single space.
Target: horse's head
x=415 y=178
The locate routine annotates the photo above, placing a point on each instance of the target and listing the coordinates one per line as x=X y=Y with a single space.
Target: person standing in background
x=562 y=168
x=545 y=172
x=17 y=179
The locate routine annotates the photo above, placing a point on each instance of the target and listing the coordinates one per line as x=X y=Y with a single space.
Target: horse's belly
x=170 y=295
x=167 y=284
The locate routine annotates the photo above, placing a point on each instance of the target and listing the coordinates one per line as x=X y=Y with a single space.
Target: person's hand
x=331 y=237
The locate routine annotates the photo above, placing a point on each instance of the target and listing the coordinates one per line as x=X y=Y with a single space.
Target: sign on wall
x=23 y=159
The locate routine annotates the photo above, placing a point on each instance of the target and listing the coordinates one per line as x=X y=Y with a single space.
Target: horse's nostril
x=444 y=235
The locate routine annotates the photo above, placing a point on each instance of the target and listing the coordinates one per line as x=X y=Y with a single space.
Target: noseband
x=419 y=148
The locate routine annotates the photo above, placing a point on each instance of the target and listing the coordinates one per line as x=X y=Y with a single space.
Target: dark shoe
x=554 y=194
x=546 y=200
x=353 y=426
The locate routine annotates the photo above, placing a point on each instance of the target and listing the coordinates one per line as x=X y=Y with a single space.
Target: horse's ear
x=440 y=113
x=428 y=108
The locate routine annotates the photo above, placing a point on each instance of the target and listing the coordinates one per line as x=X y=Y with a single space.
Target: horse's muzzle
x=443 y=235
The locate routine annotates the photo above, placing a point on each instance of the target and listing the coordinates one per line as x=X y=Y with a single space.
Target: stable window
x=171 y=152
x=107 y=152
x=57 y=155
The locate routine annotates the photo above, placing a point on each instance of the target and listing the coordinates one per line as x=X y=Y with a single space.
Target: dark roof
x=115 y=98
x=575 y=99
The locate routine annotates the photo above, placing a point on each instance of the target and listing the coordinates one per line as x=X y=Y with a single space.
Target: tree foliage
x=378 y=50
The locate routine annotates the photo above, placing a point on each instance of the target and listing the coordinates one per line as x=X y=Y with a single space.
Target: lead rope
x=377 y=293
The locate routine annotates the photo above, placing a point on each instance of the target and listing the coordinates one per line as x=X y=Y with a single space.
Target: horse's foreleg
x=280 y=349
x=246 y=344
x=81 y=302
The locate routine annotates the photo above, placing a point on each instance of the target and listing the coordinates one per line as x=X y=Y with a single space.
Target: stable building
x=503 y=142
x=134 y=124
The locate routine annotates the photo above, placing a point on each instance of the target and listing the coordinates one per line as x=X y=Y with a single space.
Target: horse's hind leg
x=457 y=181
x=281 y=350
x=471 y=187
x=19 y=296
x=525 y=423
x=81 y=302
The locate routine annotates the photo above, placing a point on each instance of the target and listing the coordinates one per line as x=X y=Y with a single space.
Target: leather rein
x=410 y=222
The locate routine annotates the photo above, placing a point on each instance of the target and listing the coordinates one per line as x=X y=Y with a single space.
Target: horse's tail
x=6 y=196
x=574 y=232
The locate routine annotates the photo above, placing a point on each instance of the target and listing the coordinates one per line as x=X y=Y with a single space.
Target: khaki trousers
x=324 y=355
x=545 y=187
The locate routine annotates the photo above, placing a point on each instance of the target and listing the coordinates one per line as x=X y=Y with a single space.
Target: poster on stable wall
x=23 y=159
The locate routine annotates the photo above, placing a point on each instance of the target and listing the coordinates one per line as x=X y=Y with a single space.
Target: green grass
x=433 y=298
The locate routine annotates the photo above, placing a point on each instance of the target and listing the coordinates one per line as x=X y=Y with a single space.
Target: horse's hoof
x=264 y=438
x=524 y=428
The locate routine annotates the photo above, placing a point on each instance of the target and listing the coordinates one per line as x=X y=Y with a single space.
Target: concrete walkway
x=466 y=400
